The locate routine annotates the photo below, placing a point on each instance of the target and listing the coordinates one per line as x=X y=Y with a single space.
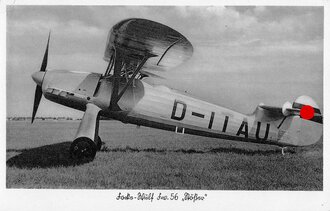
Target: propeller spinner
x=38 y=78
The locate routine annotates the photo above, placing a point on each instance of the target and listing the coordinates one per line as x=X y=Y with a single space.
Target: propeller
x=38 y=77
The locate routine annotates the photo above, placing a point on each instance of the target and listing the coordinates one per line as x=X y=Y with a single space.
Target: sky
x=242 y=55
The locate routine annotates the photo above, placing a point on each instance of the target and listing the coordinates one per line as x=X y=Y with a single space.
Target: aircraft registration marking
x=243 y=129
x=197 y=114
x=211 y=120
x=225 y=124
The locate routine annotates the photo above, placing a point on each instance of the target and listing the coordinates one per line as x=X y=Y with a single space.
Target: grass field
x=132 y=158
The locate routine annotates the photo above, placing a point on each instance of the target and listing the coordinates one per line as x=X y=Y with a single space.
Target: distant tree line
x=49 y=118
x=40 y=118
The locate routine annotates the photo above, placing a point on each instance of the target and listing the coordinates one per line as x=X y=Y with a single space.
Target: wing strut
x=168 y=48
x=110 y=66
x=116 y=76
x=119 y=63
x=138 y=68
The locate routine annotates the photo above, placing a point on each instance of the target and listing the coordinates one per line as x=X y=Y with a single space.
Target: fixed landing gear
x=84 y=148
x=87 y=141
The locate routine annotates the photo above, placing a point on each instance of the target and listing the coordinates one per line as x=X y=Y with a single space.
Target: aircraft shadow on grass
x=194 y=151
x=53 y=155
x=56 y=155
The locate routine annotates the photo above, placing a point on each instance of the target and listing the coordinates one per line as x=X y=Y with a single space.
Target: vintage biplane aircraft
x=139 y=48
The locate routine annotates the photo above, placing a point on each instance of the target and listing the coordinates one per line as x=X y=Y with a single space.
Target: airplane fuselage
x=157 y=107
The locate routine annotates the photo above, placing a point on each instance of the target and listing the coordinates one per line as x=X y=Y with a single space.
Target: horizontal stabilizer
x=303 y=106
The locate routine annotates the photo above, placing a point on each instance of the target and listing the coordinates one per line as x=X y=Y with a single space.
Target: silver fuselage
x=159 y=107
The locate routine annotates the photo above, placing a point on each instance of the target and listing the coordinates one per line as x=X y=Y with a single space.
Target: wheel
x=83 y=149
x=98 y=143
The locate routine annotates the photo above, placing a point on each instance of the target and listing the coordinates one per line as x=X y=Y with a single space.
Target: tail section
x=298 y=124
x=302 y=123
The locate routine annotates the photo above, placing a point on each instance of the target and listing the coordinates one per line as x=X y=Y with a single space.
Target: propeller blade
x=37 y=98
x=44 y=61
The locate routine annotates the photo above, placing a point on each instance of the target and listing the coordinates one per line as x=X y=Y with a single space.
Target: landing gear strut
x=87 y=141
x=98 y=142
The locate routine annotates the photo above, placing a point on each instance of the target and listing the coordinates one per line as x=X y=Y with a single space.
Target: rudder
x=299 y=129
